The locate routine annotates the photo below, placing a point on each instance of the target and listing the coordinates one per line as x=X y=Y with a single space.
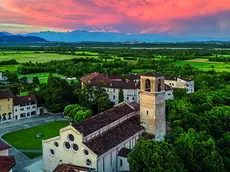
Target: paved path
x=21 y=159
x=30 y=151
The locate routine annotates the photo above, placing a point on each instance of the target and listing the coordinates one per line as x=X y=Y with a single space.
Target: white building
x=129 y=86
x=179 y=82
x=25 y=106
x=6 y=162
x=1 y=76
x=102 y=142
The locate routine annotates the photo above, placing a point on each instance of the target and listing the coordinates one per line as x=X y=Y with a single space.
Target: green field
x=12 y=68
x=27 y=140
x=206 y=65
x=32 y=155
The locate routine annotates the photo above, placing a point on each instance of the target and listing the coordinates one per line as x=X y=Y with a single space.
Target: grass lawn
x=32 y=155
x=39 y=57
x=26 y=139
x=205 y=65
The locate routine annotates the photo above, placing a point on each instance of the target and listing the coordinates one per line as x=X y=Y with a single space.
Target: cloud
x=130 y=16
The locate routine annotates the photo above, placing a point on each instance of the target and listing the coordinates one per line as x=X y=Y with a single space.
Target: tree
x=121 y=95
x=12 y=77
x=154 y=156
x=36 y=80
x=77 y=113
x=56 y=94
x=198 y=152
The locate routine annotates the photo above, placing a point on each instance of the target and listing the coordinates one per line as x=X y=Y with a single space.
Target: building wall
x=109 y=162
x=21 y=112
x=169 y=95
x=123 y=164
x=180 y=83
x=4 y=152
x=6 y=108
x=66 y=156
x=0 y=76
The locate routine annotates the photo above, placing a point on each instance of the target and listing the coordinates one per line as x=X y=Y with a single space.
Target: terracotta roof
x=6 y=94
x=129 y=76
x=95 y=76
x=135 y=105
x=124 y=152
x=71 y=168
x=24 y=99
x=172 y=78
x=115 y=136
x=3 y=145
x=6 y=163
x=103 y=119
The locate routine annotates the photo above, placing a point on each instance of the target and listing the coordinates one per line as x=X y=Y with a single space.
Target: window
x=75 y=147
x=147 y=112
x=114 y=90
x=113 y=97
x=0 y=107
x=71 y=137
x=16 y=110
x=8 y=100
x=28 y=107
x=127 y=98
x=67 y=145
x=88 y=162
x=56 y=144
x=147 y=85
x=159 y=84
x=52 y=152
x=21 y=109
x=133 y=98
x=34 y=107
x=103 y=167
x=8 y=107
x=121 y=163
x=86 y=152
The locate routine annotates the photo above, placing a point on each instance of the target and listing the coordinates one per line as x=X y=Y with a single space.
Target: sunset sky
x=175 y=17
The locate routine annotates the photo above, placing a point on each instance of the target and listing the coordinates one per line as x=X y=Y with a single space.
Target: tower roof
x=152 y=74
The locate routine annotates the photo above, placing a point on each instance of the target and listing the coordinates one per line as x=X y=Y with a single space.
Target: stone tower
x=152 y=105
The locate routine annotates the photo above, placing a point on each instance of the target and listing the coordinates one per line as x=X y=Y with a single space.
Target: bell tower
x=152 y=105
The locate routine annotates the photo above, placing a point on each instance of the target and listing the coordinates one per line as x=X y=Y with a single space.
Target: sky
x=173 y=17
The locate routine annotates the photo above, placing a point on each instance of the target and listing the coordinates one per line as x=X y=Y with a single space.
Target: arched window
x=147 y=85
x=159 y=84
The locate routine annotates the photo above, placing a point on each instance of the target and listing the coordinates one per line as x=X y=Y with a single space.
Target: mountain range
x=6 y=37
x=87 y=36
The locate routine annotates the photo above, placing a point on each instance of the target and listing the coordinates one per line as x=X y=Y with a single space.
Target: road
x=22 y=160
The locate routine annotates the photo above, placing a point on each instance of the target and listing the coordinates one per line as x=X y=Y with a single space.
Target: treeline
x=9 y=62
x=219 y=59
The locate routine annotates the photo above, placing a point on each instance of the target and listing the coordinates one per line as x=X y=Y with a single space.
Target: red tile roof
x=115 y=136
x=6 y=94
x=24 y=99
x=103 y=119
x=6 y=163
x=3 y=145
x=95 y=76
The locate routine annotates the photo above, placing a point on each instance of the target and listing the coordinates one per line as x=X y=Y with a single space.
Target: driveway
x=22 y=160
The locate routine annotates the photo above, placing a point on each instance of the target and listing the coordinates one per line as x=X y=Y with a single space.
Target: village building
x=182 y=83
x=102 y=143
x=113 y=84
x=6 y=162
x=15 y=108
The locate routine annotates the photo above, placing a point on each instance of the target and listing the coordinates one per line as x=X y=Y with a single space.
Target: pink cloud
x=149 y=16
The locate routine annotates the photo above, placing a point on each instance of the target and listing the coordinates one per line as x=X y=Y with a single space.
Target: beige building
x=102 y=142
x=6 y=105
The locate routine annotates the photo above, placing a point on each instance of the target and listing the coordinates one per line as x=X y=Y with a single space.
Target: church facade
x=102 y=142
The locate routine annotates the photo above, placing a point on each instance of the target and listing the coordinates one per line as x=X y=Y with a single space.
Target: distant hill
x=86 y=36
x=10 y=38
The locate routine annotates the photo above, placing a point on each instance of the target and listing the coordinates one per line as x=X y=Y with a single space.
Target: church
x=102 y=143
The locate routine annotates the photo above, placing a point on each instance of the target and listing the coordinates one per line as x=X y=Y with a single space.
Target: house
x=1 y=78
x=101 y=143
x=25 y=106
x=130 y=86
x=182 y=83
x=6 y=162
x=15 y=108
x=6 y=105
